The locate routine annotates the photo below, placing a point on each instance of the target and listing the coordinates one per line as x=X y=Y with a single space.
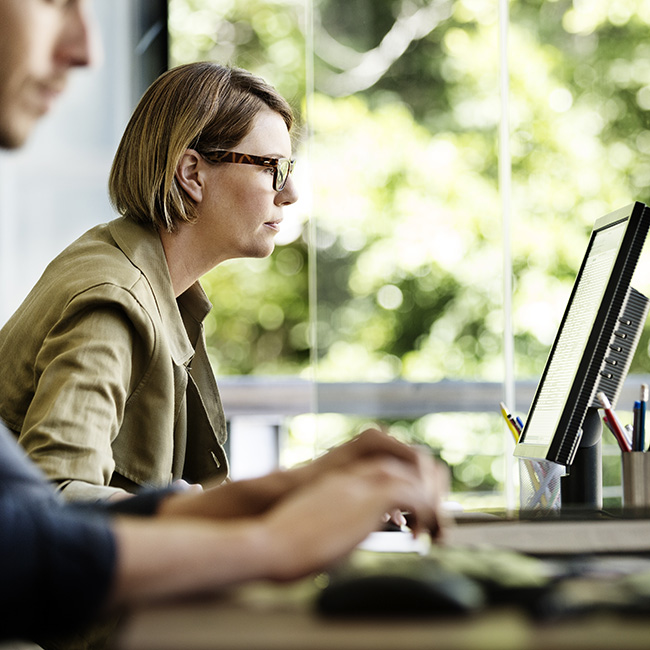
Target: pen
x=636 y=427
x=613 y=423
x=510 y=421
x=628 y=429
x=642 y=412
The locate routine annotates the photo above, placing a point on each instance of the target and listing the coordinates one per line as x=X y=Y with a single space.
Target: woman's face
x=240 y=212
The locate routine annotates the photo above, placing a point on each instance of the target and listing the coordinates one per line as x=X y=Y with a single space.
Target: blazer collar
x=144 y=249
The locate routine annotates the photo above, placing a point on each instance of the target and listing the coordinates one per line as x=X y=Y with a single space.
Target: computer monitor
x=592 y=352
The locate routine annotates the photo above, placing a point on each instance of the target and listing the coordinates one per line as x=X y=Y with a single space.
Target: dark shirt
x=56 y=560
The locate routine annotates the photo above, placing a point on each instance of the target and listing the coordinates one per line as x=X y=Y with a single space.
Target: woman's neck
x=182 y=261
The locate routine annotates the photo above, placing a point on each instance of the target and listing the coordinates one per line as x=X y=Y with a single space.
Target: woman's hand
x=373 y=443
x=256 y=496
x=322 y=522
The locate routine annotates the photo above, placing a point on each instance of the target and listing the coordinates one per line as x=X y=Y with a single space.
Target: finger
x=397 y=517
x=419 y=492
x=183 y=485
x=429 y=517
x=398 y=482
x=375 y=442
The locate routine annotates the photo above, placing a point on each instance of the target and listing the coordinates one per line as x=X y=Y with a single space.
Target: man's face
x=40 y=40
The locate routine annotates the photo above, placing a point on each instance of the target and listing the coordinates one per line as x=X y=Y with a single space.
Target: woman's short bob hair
x=201 y=106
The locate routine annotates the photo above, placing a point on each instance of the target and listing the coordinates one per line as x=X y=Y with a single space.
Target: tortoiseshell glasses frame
x=282 y=167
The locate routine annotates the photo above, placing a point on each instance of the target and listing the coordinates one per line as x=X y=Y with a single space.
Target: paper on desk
x=555 y=537
x=396 y=542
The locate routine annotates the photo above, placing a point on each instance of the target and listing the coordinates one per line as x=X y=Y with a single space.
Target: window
x=400 y=242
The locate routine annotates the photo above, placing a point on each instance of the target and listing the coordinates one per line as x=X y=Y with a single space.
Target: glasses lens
x=282 y=173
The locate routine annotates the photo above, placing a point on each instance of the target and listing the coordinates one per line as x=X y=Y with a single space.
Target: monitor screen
x=592 y=348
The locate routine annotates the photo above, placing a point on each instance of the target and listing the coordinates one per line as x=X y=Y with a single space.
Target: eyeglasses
x=282 y=167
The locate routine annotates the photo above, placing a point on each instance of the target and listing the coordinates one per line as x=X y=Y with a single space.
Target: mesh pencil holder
x=539 y=484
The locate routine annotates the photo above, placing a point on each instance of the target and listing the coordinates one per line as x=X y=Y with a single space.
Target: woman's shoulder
x=95 y=272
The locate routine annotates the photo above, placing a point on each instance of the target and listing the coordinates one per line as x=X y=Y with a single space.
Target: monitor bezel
x=563 y=443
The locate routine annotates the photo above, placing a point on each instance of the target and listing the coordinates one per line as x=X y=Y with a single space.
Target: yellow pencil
x=509 y=421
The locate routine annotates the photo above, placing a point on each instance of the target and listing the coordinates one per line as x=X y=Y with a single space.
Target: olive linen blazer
x=104 y=374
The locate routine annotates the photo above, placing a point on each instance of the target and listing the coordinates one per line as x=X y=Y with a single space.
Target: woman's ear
x=188 y=174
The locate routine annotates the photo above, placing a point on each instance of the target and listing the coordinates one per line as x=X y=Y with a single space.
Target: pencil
x=510 y=421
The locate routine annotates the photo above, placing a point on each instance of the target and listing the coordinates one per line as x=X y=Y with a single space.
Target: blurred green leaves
x=263 y=36
x=400 y=178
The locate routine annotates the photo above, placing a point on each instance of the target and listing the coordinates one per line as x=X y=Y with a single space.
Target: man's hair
x=201 y=106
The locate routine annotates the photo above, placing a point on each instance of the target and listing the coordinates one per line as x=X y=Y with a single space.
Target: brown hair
x=202 y=106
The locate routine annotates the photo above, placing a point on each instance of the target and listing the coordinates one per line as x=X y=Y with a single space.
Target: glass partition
x=406 y=213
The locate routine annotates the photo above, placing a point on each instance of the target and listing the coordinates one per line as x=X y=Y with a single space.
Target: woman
x=105 y=377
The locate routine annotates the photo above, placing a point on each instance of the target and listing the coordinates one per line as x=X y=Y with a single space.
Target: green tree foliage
x=260 y=319
x=264 y=36
x=403 y=166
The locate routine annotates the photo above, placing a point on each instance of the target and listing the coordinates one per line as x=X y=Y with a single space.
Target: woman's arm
x=84 y=373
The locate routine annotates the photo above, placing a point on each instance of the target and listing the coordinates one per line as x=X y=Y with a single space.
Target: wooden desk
x=268 y=617
x=240 y=622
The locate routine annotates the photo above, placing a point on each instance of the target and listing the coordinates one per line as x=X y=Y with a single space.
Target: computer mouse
x=427 y=595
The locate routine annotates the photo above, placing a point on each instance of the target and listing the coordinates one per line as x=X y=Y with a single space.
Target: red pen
x=613 y=423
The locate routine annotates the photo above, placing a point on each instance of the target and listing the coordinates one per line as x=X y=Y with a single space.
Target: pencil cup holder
x=635 y=476
x=540 y=485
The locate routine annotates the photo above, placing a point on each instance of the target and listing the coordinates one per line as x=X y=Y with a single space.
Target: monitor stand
x=582 y=487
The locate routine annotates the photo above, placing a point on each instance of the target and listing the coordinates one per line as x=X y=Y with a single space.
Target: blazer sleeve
x=88 y=365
